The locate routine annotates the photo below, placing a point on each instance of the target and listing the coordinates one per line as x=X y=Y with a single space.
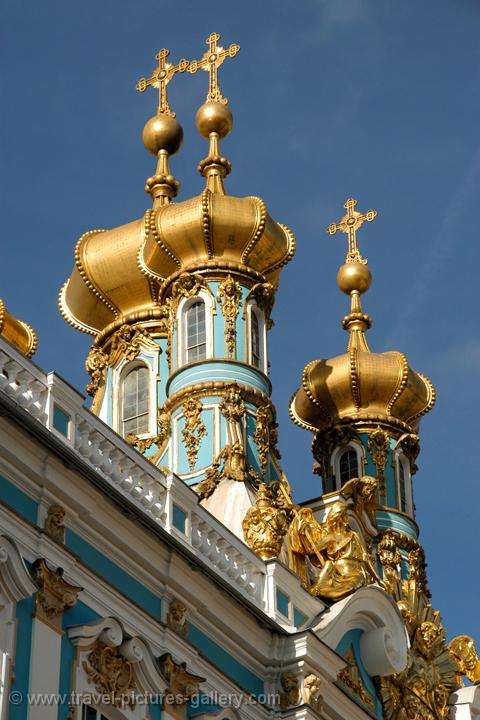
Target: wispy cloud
x=441 y=246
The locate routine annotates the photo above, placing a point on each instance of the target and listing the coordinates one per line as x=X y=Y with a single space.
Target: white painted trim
x=15 y=580
x=44 y=678
x=15 y=584
x=182 y=309
x=466 y=703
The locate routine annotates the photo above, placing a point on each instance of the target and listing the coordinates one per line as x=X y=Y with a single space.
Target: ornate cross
x=211 y=61
x=349 y=224
x=160 y=78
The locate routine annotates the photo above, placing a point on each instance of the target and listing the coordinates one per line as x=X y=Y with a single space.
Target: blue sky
x=378 y=99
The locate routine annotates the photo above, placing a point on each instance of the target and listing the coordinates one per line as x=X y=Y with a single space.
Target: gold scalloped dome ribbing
x=117 y=272
x=19 y=333
x=361 y=385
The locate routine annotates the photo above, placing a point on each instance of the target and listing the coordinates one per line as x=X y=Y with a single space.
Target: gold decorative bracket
x=210 y=62
x=160 y=78
x=349 y=224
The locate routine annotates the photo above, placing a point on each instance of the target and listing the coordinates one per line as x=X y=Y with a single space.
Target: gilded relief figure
x=464 y=653
x=336 y=554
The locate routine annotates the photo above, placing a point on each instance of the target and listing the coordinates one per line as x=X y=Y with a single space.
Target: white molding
x=465 y=703
x=16 y=582
x=384 y=644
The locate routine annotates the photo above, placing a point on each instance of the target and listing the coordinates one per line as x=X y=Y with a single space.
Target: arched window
x=404 y=491
x=348 y=465
x=256 y=340
x=402 y=488
x=135 y=418
x=195 y=332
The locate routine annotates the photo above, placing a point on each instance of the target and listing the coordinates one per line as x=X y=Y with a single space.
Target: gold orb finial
x=213 y=117
x=354 y=277
x=162 y=132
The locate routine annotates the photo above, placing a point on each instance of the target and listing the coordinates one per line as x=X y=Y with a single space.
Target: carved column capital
x=54 y=595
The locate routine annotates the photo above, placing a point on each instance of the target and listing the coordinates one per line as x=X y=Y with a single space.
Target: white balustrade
x=134 y=477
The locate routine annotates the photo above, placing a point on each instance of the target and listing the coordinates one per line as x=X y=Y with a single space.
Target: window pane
x=401 y=483
x=196 y=336
x=348 y=466
x=255 y=340
x=135 y=402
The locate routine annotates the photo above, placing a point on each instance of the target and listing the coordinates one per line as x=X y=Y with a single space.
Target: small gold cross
x=160 y=78
x=349 y=224
x=211 y=61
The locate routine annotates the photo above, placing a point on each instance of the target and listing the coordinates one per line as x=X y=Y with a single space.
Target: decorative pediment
x=384 y=641
x=111 y=662
x=15 y=580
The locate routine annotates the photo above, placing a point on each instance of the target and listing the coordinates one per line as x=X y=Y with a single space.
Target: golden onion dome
x=19 y=333
x=119 y=273
x=360 y=385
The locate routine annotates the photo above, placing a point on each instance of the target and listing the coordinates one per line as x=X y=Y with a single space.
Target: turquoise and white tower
x=179 y=302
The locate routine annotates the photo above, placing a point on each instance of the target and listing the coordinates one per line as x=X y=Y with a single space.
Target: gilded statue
x=336 y=554
x=312 y=692
x=290 y=692
x=265 y=525
x=464 y=653
x=363 y=492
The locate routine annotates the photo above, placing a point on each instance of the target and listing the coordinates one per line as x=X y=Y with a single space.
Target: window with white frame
x=135 y=401
x=256 y=339
x=195 y=332
x=404 y=488
x=347 y=465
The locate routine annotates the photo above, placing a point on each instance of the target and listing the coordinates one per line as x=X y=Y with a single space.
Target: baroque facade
x=153 y=560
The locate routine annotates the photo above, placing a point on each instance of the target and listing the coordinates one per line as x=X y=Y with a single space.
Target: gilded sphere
x=354 y=276
x=213 y=117
x=162 y=132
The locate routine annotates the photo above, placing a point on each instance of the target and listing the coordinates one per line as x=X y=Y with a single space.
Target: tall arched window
x=256 y=340
x=195 y=332
x=404 y=492
x=348 y=465
x=135 y=401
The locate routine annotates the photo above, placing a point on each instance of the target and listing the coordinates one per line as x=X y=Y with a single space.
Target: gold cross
x=211 y=61
x=160 y=78
x=349 y=224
